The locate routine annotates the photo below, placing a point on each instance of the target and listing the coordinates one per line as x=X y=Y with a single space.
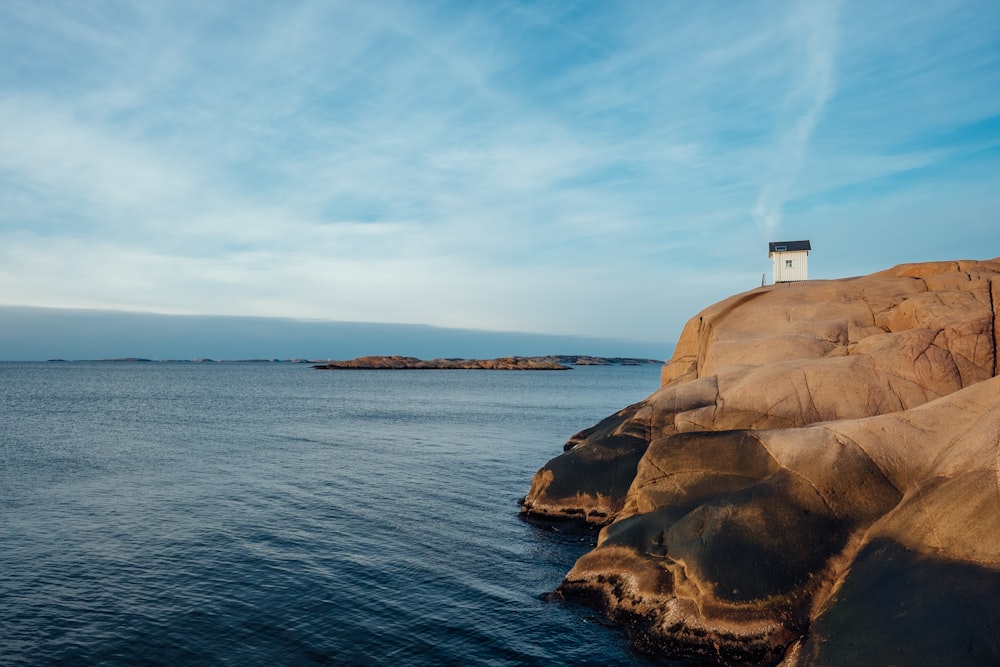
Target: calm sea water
x=271 y=514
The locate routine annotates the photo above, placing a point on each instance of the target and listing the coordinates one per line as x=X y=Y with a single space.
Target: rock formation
x=816 y=482
x=396 y=362
x=548 y=363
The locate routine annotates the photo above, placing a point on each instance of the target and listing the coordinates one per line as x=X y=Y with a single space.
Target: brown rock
x=396 y=362
x=817 y=454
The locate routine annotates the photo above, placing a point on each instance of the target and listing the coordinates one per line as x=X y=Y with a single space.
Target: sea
x=271 y=514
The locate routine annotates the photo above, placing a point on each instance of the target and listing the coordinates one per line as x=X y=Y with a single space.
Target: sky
x=590 y=169
x=42 y=334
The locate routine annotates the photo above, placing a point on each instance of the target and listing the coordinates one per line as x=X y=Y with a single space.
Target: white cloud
x=80 y=164
x=814 y=30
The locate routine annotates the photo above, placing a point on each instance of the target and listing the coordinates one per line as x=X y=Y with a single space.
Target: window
x=788 y=263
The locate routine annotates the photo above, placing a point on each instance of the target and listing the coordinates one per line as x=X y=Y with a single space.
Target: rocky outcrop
x=816 y=482
x=548 y=363
x=412 y=363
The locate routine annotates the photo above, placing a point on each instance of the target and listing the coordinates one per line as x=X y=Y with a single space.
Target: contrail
x=815 y=26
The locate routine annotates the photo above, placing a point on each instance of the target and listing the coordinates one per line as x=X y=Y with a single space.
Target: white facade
x=790 y=260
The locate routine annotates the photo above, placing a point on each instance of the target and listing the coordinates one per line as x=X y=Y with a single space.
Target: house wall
x=799 y=269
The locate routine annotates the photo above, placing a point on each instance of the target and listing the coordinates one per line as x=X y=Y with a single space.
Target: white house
x=791 y=260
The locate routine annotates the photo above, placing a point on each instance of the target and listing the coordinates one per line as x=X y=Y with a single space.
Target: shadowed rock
x=807 y=437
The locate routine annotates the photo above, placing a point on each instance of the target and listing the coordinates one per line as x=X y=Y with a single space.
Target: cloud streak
x=814 y=30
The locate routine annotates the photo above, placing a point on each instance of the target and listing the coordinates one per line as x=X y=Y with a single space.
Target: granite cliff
x=816 y=482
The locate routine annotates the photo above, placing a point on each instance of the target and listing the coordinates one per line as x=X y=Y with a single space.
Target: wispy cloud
x=813 y=31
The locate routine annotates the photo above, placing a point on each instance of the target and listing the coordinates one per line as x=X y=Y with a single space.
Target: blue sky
x=596 y=169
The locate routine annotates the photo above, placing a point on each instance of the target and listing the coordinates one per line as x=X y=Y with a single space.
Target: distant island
x=547 y=363
x=553 y=362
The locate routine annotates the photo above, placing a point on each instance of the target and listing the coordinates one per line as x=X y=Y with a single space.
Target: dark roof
x=782 y=246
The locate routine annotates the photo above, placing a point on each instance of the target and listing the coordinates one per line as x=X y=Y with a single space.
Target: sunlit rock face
x=815 y=483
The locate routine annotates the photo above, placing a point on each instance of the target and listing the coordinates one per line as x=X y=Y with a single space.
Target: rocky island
x=549 y=363
x=816 y=482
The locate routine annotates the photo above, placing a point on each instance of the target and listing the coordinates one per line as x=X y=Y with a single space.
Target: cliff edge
x=816 y=482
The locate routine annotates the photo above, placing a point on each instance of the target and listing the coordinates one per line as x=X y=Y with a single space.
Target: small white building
x=790 y=259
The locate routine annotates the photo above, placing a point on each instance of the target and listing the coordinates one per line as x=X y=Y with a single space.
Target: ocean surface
x=272 y=514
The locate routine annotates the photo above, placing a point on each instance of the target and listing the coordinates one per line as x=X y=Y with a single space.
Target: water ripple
x=267 y=515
